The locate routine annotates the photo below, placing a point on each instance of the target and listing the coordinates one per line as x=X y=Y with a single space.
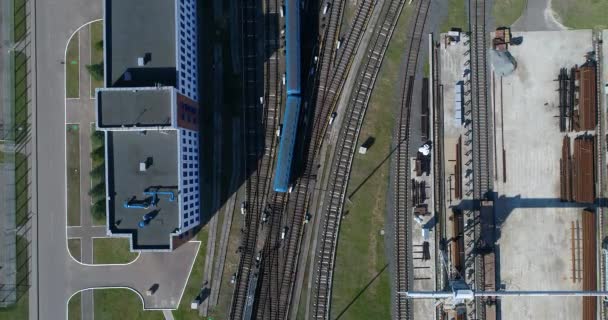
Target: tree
x=96 y=71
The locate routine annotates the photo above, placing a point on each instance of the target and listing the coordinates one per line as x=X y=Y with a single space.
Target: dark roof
x=126 y=149
x=140 y=28
x=142 y=107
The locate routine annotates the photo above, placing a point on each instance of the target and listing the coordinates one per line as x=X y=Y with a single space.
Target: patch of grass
x=222 y=309
x=193 y=287
x=74 y=307
x=73 y=171
x=21 y=189
x=16 y=312
x=72 y=63
x=96 y=52
x=582 y=14
x=361 y=288
x=20 y=116
x=110 y=304
x=456 y=16
x=507 y=11
x=98 y=191
x=20 y=310
x=74 y=248
x=19 y=20
x=112 y=250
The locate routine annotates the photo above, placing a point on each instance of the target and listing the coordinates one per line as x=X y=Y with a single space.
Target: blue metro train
x=292 y=109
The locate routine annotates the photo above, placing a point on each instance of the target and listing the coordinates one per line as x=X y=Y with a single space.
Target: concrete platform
x=534 y=227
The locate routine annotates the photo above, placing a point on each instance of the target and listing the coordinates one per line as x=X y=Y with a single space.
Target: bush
x=99 y=45
x=96 y=71
x=97 y=137
x=98 y=191
x=99 y=172
x=98 y=154
x=98 y=209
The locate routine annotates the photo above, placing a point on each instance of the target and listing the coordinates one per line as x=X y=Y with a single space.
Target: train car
x=287 y=144
x=292 y=110
x=292 y=46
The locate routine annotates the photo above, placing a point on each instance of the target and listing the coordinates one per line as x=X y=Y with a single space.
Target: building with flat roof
x=148 y=111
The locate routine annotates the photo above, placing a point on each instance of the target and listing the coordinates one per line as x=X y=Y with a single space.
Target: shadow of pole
x=369 y=176
x=361 y=292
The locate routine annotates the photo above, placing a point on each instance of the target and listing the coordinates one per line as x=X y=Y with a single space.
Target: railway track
x=344 y=152
x=439 y=174
x=298 y=207
x=332 y=74
x=330 y=90
x=268 y=300
x=276 y=283
x=482 y=178
x=260 y=152
x=402 y=308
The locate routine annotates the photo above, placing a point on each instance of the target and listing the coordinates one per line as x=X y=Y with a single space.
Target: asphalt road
x=55 y=275
x=537 y=16
x=54 y=23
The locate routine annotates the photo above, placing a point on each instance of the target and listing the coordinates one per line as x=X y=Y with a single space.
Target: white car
x=332 y=118
x=243 y=208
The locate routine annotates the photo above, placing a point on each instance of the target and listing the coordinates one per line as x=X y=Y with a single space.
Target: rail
x=268 y=299
x=344 y=153
x=482 y=178
x=304 y=184
x=403 y=308
x=261 y=120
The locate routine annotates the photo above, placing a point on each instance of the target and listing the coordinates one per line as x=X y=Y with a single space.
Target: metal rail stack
x=259 y=122
x=482 y=181
x=589 y=264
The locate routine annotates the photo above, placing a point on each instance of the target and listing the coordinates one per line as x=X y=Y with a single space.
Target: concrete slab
x=534 y=228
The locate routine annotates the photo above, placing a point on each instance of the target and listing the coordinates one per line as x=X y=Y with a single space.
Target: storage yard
x=530 y=211
x=539 y=232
